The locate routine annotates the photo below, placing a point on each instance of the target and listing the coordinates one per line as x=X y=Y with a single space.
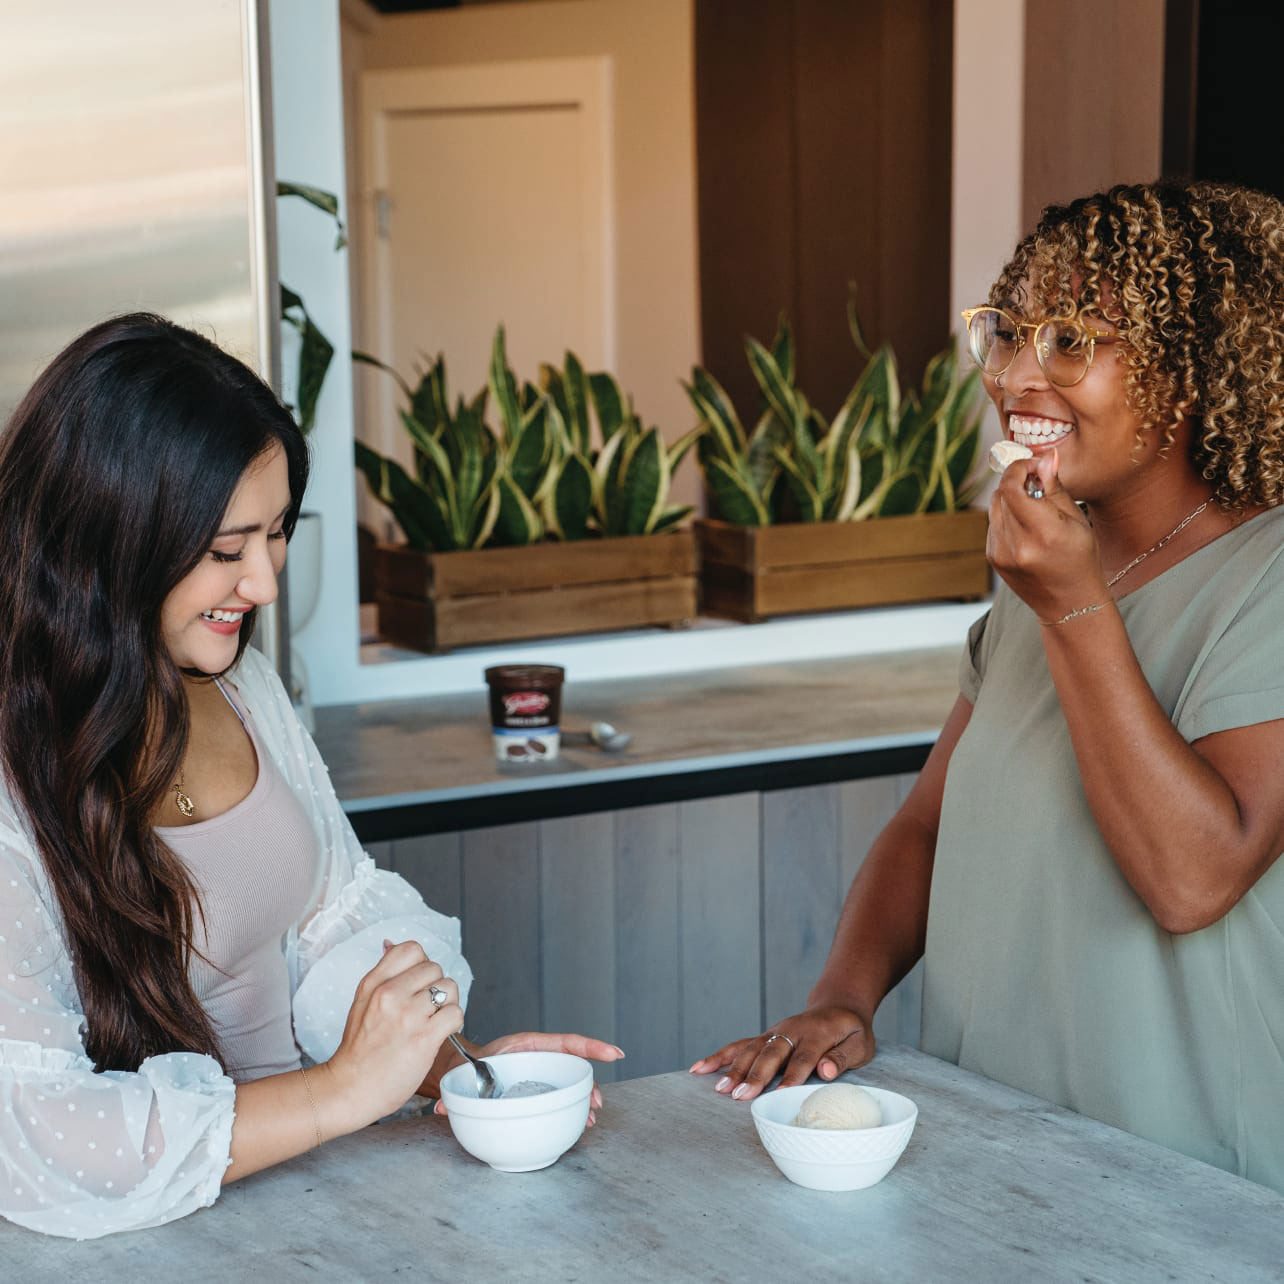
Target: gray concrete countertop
x=673 y=1185
x=401 y=753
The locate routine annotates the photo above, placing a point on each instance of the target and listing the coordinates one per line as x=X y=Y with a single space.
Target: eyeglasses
x=1064 y=346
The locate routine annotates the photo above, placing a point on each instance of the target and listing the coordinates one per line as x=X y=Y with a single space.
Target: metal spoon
x=601 y=734
x=488 y=1085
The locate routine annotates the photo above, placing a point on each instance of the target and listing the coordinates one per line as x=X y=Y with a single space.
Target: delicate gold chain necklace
x=184 y=801
x=1154 y=548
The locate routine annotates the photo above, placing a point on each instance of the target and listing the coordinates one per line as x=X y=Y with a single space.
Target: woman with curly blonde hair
x=1088 y=861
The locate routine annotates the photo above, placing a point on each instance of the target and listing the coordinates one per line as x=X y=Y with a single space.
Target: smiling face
x=1090 y=424
x=201 y=617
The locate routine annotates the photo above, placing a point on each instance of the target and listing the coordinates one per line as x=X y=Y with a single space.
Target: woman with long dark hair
x=185 y=912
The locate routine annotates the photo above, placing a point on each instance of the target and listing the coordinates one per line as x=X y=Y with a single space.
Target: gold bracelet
x=316 y=1123
x=1075 y=614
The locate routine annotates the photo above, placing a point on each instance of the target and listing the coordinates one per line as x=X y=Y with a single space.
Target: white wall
x=308 y=136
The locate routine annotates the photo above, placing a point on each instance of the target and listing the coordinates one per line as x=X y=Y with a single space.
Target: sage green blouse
x=1043 y=968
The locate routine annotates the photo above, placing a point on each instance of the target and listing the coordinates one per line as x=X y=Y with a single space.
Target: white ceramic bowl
x=832 y=1159
x=525 y=1133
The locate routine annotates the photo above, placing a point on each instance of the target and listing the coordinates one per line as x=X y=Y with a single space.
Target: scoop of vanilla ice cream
x=839 y=1105
x=1005 y=453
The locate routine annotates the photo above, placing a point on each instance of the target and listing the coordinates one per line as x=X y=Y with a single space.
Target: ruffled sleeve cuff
x=93 y=1154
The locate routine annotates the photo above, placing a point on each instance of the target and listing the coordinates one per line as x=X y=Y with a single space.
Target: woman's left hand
x=577 y=1045
x=1044 y=548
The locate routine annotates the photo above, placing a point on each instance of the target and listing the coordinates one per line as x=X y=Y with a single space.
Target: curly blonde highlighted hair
x=1192 y=276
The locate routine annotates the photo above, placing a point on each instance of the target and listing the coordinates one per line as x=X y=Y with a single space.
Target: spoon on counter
x=601 y=734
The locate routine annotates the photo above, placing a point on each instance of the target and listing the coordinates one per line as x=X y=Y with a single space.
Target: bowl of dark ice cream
x=541 y=1114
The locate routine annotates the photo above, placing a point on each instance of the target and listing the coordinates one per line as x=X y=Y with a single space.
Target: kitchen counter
x=673 y=1185
x=425 y=766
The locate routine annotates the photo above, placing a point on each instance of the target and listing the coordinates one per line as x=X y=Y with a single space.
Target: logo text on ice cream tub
x=520 y=702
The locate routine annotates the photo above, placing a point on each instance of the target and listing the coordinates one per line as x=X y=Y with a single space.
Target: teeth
x=1029 y=431
x=222 y=617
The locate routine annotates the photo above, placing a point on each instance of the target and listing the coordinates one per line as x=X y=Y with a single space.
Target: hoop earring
x=998 y=381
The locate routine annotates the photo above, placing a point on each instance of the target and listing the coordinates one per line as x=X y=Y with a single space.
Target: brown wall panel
x=840 y=188
x=915 y=114
x=823 y=155
x=745 y=186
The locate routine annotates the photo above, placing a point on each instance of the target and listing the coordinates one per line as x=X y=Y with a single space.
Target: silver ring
x=437 y=995
x=1034 y=487
x=771 y=1038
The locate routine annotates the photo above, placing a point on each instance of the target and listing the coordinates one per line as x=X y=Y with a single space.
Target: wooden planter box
x=435 y=601
x=751 y=573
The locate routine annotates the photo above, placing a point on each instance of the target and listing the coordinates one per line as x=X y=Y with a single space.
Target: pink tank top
x=254 y=867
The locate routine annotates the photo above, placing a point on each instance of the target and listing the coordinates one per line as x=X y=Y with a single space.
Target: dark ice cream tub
x=526 y=711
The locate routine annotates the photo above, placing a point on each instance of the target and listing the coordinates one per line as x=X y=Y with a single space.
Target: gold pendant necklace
x=1154 y=548
x=185 y=804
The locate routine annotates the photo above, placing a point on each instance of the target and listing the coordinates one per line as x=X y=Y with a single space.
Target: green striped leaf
x=608 y=402
x=577 y=399
x=714 y=396
x=938 y=379
x=806 y=497
x=678 y=450
x=646 y=482
x=733 y=497
x=364 y=358
x=761 y=464
x=775 y=388
x=902 y=492
x=720 y=440
x=782 y=349
x=853 y=322
x=421 y=520
x=503 y=387
x=431 y=449
x=671 y=517
x=517 y=522
x=605 y=468
x=848 y=495
x=529 y=451
x=485 y=514
x=572 y=497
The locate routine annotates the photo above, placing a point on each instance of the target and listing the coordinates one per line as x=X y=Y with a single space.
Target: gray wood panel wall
x=669 y=930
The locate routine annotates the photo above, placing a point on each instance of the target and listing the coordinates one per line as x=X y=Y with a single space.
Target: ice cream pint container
x=525 y=710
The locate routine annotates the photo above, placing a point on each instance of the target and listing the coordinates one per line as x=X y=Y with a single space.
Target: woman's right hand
x=826 y=1040
x=392 y=1036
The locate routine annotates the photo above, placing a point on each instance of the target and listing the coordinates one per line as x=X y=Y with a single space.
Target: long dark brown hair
x=115 y=473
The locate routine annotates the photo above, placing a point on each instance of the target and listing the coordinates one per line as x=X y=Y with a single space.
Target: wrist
x=827 y=995
x=336 y=1101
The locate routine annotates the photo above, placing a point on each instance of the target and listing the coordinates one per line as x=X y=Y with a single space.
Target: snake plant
x=539 y=475
x=882 y=454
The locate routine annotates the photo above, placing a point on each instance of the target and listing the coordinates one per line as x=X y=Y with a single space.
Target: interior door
x=489 y=203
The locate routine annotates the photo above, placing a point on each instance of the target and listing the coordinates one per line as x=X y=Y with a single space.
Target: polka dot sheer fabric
x=85 y=1154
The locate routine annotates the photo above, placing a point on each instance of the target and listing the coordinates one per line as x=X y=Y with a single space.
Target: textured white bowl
x=525 y=1133
x=832 y=1159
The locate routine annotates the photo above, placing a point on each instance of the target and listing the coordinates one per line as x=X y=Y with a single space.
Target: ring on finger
x=771 y=1038
x=1034 y=486
x=438 y=995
